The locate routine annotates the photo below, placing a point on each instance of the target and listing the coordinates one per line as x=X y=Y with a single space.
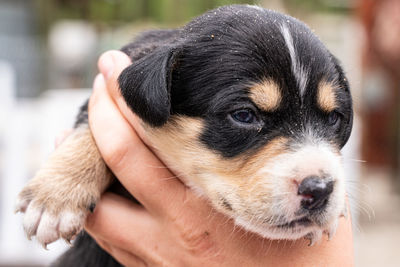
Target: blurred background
x=48 y=54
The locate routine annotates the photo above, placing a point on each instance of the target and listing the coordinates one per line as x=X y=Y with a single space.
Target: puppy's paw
x=57 y=200
x=53 y=215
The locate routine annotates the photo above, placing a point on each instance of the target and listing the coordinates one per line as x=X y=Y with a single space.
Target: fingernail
x=106 y=64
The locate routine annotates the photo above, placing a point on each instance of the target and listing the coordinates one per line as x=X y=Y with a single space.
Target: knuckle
x=114 y=153
x=198 y=242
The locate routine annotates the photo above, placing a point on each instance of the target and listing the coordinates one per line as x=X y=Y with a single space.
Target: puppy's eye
x=244 y=116
x=334 y=118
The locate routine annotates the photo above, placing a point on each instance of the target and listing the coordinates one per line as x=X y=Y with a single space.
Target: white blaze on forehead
x=298 y=70
x=256 y=7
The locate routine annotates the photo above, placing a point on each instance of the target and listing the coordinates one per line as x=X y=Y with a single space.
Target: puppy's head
x=251 y=110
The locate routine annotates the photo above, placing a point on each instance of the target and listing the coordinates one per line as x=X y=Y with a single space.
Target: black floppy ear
x=146 y=85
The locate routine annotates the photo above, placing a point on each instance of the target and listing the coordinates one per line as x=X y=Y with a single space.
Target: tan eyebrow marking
x=326 y=97
x=266 y=95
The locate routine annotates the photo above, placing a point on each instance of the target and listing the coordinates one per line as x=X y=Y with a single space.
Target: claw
x=21 y=207
x=92 y=207
x=344 y=212
x=44 y=245
x=313 y=237
x=29 y=237
x=310 y=238
x=68 y=241
x=332 y=230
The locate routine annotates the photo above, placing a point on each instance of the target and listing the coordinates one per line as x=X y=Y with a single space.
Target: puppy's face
x=252 y=113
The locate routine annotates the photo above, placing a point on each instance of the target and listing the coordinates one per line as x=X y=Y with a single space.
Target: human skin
x=174 y=226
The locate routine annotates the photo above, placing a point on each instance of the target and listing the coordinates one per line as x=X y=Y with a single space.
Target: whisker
x=362 y=207
x=354 y=160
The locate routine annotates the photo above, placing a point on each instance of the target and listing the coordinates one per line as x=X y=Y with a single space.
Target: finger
x=122 y=256
x=141 y=173
x=116 y=212
x=111 y=64
x=136 y=227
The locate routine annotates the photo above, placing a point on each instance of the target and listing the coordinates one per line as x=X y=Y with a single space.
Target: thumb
x=111 y=64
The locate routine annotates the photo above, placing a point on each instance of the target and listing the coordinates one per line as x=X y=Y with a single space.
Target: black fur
x=82 y=117
x=85 y=253
x=148 y=93
x=204 y=70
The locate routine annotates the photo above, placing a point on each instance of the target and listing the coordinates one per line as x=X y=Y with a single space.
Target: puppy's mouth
x=302 y=222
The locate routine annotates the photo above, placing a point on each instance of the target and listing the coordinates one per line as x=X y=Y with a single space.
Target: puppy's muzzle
x=315 y=193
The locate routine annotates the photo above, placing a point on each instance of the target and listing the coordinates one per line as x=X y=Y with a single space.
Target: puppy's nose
x=315 y=192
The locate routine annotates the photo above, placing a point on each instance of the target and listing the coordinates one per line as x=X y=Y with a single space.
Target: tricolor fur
x=250 y=109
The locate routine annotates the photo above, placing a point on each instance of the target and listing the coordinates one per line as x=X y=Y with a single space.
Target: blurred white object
x=352 y=168
x=72 y=42
x=7 y=91
x=28 y=137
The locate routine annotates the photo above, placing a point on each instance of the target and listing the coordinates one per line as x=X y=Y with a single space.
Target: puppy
x=245 y=104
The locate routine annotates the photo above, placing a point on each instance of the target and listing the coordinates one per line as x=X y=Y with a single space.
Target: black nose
x=315 y=192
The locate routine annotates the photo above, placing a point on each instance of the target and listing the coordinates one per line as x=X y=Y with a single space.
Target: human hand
x=174 y=226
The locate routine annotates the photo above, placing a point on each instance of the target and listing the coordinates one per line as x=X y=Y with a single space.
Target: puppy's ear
x=146 y=85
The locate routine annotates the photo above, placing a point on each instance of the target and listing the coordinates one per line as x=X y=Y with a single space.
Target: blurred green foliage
x=162 y=12
x=122 y=11
x=337 y=6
